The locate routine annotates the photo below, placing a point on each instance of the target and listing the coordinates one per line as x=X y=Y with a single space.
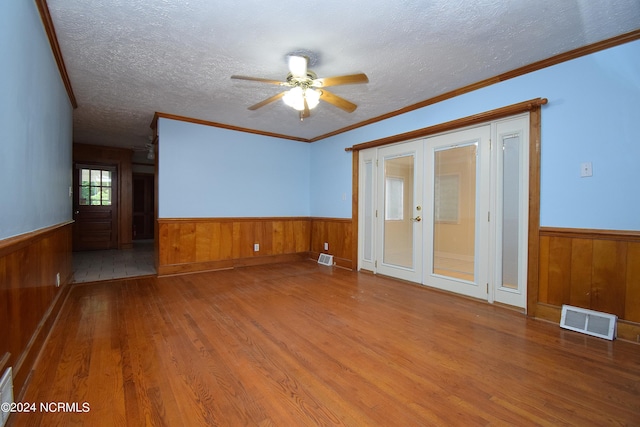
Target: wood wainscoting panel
x=200 y=244
x=593 y=269
x=213 y=241
x=581 y=278
x=338 y=233
x=30 y=299
x=609 y=271
x=632 y=297
x=558 y=270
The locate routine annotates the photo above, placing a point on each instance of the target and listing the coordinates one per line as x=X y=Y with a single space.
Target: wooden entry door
x=95 y=207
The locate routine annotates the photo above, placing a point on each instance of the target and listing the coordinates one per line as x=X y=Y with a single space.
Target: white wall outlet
x=586 y=169
x=256 y=247
x=57 y=280
x=326 y=246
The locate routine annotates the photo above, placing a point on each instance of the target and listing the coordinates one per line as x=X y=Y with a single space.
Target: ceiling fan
x=306 y=89
x=151 y=154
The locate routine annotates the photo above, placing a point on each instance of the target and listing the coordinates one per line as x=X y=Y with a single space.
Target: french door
x=399 y=211
x=450 y=211
x=456 y=228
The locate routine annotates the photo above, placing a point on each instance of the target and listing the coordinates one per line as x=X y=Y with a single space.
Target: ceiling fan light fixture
x=304 y=88
x=151 y=153
x=313 y=98
x=295 y=97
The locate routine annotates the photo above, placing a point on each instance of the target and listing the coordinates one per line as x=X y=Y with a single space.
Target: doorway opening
x=102 y=248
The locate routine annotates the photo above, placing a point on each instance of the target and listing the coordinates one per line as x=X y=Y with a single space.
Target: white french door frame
x=493 y=289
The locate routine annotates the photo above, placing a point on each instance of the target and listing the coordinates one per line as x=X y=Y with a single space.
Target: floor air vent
x=589 y=322
x=325 y=259
x=6 y=394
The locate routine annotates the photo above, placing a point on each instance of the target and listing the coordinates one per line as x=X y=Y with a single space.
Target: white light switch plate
x=586 y=169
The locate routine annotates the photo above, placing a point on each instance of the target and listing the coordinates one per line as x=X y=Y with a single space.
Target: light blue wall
x=330 y=179
x=211 y=172
x=593 y=115
x=35 y=126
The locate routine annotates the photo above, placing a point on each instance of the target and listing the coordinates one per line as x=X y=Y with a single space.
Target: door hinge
x=487 y=288
x=490 y=145
x=375 y=263
x=376 y=213
x=489 y=216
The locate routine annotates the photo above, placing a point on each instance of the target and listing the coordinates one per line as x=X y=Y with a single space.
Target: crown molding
x=45 y=16
x=157 y=115
x=539 y=65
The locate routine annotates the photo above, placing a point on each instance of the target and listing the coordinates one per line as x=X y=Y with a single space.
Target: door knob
x=416 y=219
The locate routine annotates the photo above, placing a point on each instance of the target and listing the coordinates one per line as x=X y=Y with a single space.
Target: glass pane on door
x=95 y=187
x=511 y=163
x=510 y=210
x=398 y=208
x=368 y=212
x=454 y=213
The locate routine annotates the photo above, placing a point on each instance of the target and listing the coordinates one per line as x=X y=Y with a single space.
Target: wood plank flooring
x=300 y=344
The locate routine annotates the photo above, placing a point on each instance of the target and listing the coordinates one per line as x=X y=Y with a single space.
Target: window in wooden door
x=95 y=187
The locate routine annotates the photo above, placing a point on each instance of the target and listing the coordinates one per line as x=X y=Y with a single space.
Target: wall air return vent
x=589 y=322
x=325 y=259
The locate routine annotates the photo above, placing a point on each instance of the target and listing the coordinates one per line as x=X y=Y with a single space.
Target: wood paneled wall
x=200 y=244
x=121 y=157
x=338 y=233
x=30 y=299
x=594 y=269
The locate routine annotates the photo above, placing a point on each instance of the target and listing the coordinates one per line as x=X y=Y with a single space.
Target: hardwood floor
x=301 y=344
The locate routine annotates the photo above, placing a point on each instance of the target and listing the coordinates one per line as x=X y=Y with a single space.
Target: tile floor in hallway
x=93 y=266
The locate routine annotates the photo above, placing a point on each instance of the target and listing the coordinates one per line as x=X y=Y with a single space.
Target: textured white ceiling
x=130 y=58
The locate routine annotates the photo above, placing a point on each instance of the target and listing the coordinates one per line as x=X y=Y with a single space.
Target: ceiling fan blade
x=259 y=79
x=350 y=79
x=298 y=66
x=338 y=101
x=267 y=101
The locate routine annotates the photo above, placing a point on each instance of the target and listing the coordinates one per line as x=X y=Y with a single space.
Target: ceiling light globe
x=294 y=98
x=313 y=98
